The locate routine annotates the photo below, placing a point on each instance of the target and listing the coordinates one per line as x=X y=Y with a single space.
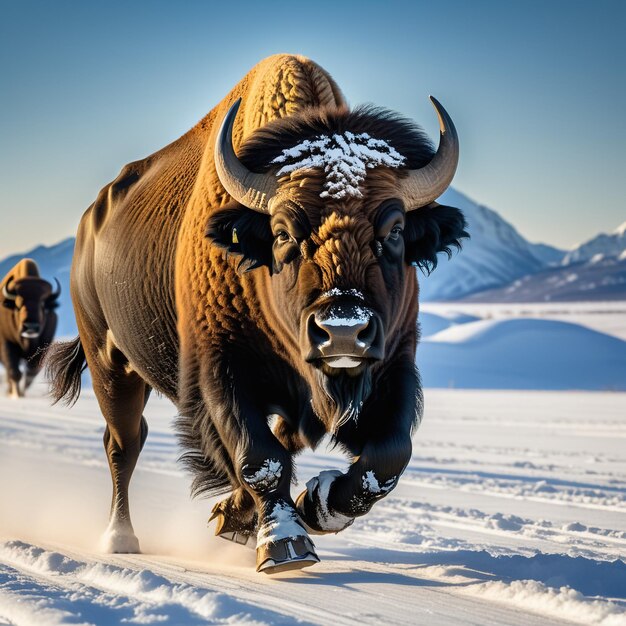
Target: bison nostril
x=342 y=336
x=367 y=336
x=30 y=329
x=318 y=336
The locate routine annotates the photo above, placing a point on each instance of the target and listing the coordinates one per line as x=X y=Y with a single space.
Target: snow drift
x=522 y=354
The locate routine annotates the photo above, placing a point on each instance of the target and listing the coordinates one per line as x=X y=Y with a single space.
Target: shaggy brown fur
x=160 y=305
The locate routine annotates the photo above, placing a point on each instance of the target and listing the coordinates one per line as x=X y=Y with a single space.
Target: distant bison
x=27 y=322
x=257 y=271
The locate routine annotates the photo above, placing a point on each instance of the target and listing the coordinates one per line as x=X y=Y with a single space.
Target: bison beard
x=343 y=397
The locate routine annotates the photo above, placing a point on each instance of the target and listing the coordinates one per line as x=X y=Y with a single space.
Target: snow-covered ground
x=512 y=511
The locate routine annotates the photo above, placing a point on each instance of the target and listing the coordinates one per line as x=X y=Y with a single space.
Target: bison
x=27 y=322
x=258 y=272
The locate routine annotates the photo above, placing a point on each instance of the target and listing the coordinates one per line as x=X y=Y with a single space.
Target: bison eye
x=283 y=236
x=395 y=233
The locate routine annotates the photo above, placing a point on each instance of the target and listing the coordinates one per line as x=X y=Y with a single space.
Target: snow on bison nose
x=343 y=336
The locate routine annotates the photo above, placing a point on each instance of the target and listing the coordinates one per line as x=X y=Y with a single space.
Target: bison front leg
x=32 y=370
x=236 y=516
x=282 y=541
x=333 y=499
x=33 y=366
x=261 y=475
x=29 y=378
x=11 y=359
x=265 y=469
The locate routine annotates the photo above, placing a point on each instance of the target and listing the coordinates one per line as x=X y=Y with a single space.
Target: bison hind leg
x=236 y=518
x=14 y=389
x=119 y=538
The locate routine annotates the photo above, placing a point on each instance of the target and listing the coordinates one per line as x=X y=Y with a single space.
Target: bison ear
x=244 y=233
x=432 y=229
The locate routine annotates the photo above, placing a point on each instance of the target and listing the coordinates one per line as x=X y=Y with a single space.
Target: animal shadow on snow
x=588 y=576
x=354 y=575
x=550 y=481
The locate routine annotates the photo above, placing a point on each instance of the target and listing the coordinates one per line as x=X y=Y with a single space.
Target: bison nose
x=344 y=338
x=30 y=329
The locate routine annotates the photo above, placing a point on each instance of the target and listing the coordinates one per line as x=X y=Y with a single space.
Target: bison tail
x=65 y=362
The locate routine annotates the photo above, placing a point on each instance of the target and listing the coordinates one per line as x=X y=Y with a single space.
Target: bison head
x=338 y=205
x=32 y=301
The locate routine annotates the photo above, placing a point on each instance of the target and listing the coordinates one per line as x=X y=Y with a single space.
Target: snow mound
x=522 y=354
x=563 y=603
x=432 y=323
x=109 y=592
x=458 y=317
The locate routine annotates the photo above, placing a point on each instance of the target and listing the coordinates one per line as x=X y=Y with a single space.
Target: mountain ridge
x=607 y=244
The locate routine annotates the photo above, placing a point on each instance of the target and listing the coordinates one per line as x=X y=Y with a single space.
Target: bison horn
x=427 y=183
x=56 y=293
x=6 y=293
x=248 y=188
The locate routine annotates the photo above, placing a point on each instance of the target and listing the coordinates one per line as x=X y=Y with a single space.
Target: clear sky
x=537 y=90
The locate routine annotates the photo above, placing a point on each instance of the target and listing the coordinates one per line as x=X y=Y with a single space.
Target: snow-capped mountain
x=600 y=279
x=612 y=245
x=593 y=271
x=495 y=255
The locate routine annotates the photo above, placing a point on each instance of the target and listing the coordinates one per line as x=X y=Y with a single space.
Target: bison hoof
x=285 y=554
x=231 y=529
x=243 y=539
x=119 y=539
x=313 y=509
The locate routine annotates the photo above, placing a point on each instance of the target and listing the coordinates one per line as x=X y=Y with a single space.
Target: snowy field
x=512 y=511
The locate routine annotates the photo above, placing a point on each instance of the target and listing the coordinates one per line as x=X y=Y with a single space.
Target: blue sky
x=537 y=90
